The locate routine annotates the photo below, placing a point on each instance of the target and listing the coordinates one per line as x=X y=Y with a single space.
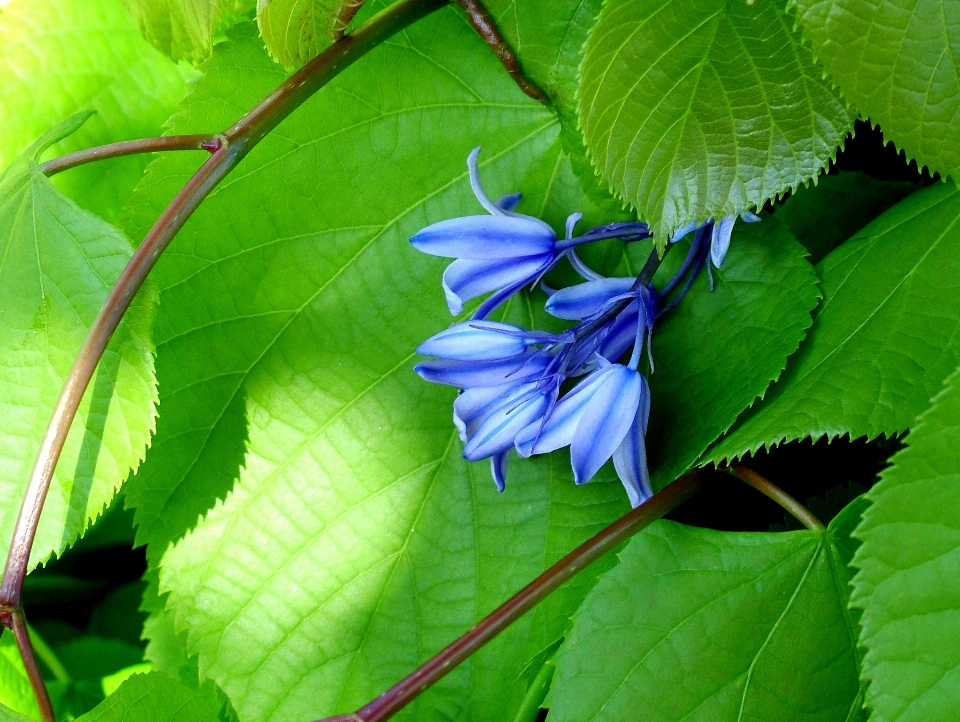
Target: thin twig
x=487 y=30
x=402 y=693
x=129 y=147
x=768 y=488
x=22 y=635
x=235 y=143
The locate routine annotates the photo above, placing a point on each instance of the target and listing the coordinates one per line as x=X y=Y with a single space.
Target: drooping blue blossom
x=510 y=378
x=504 y=251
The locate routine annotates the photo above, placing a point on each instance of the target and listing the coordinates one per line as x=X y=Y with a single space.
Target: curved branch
x=129 y=147
x=407 y=689
x=235 y=143
x=771 y=490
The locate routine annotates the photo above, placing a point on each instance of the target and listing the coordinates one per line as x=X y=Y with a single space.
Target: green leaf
x=697 y=624
x=186 y=29
x=295 y=31
x=883 y=338
x=824 y=215
x=896 y=61
x=63 y=56
x=58 y=265
x=907 y=585
x=9 y=715
x=700 y=108
x=154 y=697
x=357 y=476
x=715 y=353
x=16 y=695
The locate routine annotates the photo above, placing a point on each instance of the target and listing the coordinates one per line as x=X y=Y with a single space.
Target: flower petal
x=559 y=428
x=498 y=469
x=476 y=340
x=621 y=333
x=467 y=374
x=720 y=240
x=683 y=231
x=576 y=303
x=468 y=278
x=486 y=237
x=500 y=427
x=630 y=458
x=509 y=201
x=605 y=421
x=471 y=406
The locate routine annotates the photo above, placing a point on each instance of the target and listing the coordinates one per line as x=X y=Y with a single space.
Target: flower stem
x=129 y=147
x=768 y=488
x=234 y=144
x=18 y=623
x=407 y=689
x=487 y=29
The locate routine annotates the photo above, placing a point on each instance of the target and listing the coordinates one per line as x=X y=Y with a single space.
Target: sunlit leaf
x=58 y=265
x=64 y=56
x=296 y=30
x=154 y=697
x=186 y=29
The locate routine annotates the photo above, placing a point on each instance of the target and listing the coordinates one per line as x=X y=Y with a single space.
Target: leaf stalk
x=411 y=686
x=771 y=490
x=129 y=147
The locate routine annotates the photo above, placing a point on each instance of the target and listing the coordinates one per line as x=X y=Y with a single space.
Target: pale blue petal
x=467 y=278
x=467 y=374
x=576 y=303
x=471 y=406
x=683 y=231
x=559 y=428
x=498 y=469
x=630 y=458
x=720 y=239
x=750 y=217
x=475 y=341
x=500 y=427
x=486 y=237
x=572 y=220
x=605 y=421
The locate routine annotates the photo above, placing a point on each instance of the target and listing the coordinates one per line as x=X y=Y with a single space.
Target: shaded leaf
x=697 y=624
x=295 y=31
x=58 y=265
x=63 y=56
x=907 y=582
x=824 y=215
x=694 y=108
x=154 y=697
x=896 y=60
x=883 y=338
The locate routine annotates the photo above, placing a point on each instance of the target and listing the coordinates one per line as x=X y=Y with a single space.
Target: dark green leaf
x=696 y=624
x=907 y=585
x=700 y=108
x=896 y=60
x=824 y=215
x=883 y=338
x=58 y=265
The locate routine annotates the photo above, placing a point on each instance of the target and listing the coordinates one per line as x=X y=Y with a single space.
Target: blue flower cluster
x=510 y=378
